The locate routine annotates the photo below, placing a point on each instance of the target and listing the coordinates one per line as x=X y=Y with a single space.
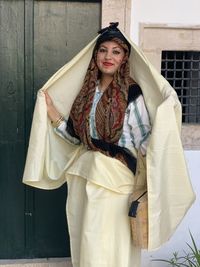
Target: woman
x=109 y=116
x=105 y=124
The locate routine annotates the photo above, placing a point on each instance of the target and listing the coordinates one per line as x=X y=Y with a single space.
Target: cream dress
x=97 y=218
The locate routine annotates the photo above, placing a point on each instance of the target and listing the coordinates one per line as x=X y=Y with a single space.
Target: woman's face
x=110 y=56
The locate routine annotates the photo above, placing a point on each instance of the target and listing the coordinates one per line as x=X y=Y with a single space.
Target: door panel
x=36 y=39
x=12 y=128
x=61 y=30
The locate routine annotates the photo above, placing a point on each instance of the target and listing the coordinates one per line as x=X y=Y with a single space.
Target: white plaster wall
x=190 y=222
x=182 y=12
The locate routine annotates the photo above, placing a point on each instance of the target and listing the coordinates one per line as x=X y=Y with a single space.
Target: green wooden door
x=36 y=39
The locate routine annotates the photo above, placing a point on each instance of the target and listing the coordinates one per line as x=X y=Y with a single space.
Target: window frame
x=153 y=39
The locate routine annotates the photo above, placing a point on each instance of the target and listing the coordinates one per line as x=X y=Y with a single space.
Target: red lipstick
x=107 y=64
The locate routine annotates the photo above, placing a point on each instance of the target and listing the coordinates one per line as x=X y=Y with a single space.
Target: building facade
x=36 y=38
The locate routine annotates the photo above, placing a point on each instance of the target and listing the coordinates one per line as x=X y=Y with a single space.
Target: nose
x=108 y=55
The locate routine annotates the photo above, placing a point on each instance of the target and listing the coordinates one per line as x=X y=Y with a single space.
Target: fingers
x=52 y=112
x=48 y=99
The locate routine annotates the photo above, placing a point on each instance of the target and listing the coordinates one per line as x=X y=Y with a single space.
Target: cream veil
x=169 y=189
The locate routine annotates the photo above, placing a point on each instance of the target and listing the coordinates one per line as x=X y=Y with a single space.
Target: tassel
x=133 y=209
x=134 y=206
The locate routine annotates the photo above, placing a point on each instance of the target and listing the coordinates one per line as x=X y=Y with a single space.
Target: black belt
x=113 y=150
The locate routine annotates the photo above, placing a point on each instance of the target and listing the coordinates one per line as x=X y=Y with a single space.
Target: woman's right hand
x=53 y=113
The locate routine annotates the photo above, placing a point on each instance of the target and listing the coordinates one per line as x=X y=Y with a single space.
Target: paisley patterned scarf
x=110 y=109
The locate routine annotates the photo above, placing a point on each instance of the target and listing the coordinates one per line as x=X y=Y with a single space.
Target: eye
x=116 y=52
x=102 y=50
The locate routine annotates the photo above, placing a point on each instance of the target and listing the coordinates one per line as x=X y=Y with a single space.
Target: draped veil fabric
x=51 y=162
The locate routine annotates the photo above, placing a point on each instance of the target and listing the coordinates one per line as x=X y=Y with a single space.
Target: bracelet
x=57 y=123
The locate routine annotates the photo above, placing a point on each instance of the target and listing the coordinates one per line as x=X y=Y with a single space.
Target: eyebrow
x=107 y=47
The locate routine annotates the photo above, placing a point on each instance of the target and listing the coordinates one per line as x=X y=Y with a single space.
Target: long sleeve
x=61 y=130
x=139 y=124
x=136 y=128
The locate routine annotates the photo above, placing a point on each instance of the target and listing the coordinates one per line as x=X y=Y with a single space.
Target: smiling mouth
x=107 y=64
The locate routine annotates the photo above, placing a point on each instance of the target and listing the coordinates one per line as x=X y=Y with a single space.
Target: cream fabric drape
x=51 y=161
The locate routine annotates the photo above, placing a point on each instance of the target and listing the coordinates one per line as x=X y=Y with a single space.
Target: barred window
x=182 y=70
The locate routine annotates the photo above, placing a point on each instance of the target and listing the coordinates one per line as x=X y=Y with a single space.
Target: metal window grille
x=182 y=70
